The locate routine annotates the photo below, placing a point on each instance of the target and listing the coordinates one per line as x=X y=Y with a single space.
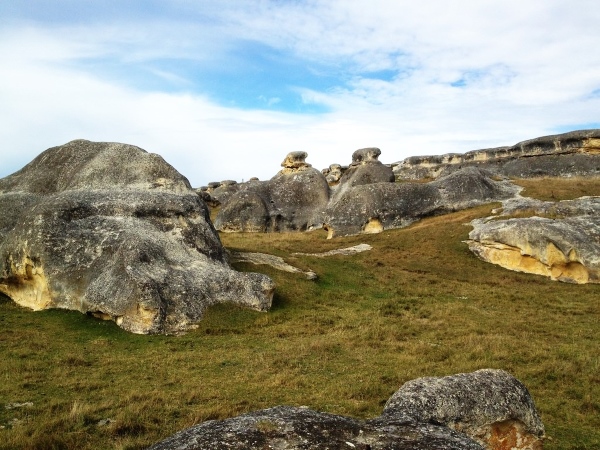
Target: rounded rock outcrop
x=293 y=200
x=491 y=406
x=111 y=230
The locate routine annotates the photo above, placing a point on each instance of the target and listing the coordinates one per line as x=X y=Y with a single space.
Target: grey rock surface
x=111 y=230
x=564 y=245
x=372 y=208
x=293 y=200
x=364 y=169
x=491 y=406
x=576 y=153
x=291 y=428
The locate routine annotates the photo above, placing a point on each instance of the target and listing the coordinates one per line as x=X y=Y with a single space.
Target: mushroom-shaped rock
x=294 y=161
x=111 y=230
x=333 y=174
x=491 y=406
x=294 y=200
x=366 y=169
x=292 y=428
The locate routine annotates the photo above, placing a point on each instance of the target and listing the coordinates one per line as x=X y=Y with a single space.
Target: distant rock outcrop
x=111 y=230
x=487 y=409
x=372 y=208
x=576 y=153
x=490 y=406
x=293 y=200
x=560 y=241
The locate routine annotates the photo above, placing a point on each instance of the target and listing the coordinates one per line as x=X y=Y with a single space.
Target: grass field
x=418 y=304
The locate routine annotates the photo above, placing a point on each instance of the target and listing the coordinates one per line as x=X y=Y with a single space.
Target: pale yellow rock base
x=27 y=284
x=373 y=226
x=556 y=266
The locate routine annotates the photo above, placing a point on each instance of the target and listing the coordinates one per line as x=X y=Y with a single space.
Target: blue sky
x=225 y=89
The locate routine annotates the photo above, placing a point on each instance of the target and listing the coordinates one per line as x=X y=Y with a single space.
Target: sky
x=225 y=89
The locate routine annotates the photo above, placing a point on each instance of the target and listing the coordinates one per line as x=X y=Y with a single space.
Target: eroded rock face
x=111 y=230
x=490 y=406
x=372 y=208
x=564 y=248
x=576 y=153
x=293 y=200
x=286 y=427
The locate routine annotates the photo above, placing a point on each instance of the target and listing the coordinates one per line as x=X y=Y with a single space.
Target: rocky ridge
x=576 y=153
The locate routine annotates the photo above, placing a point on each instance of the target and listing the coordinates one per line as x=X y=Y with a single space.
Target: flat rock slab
x=276 y=262
x=340 y=251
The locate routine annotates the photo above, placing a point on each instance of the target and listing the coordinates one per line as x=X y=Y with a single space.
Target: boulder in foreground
x=487 y=409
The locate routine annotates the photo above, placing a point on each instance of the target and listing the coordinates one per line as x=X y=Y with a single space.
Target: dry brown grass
x=553 y=188
x=418 y=304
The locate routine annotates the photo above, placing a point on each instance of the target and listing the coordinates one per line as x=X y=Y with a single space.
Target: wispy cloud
x=226 y=89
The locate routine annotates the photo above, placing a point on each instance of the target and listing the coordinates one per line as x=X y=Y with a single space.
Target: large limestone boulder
x=491 y=406
x=364 y=169
x=487 y=409
x=576 y=153
x=564 y=246
x=293 y=200
x=291 y=428
x=372 y=208
x=111 y=230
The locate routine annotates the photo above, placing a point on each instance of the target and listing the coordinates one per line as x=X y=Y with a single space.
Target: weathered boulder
x=487 y=409
x=564 y=246
x=576 y=153
x=364 y=169
x=111 y=230
x=291 y=428
x=293 y=200
x=371 y=208
x=225 y=189
x=491 y=406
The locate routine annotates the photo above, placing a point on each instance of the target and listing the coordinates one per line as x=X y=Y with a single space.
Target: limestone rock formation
x=488 y=409
x=576 y=153
x=364 y=169
x=291 y=428
x=490 y=406
x=371 y=208
x=564 y=246
x=333 y=173
x=111 y=230
x=293 y=200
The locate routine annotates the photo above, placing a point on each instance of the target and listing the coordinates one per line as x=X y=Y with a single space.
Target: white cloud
x=519 y=70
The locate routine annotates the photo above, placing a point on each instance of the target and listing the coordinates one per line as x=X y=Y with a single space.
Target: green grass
x=418 y=304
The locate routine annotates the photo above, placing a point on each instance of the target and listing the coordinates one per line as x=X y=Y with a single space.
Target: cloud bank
x=224 y=90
